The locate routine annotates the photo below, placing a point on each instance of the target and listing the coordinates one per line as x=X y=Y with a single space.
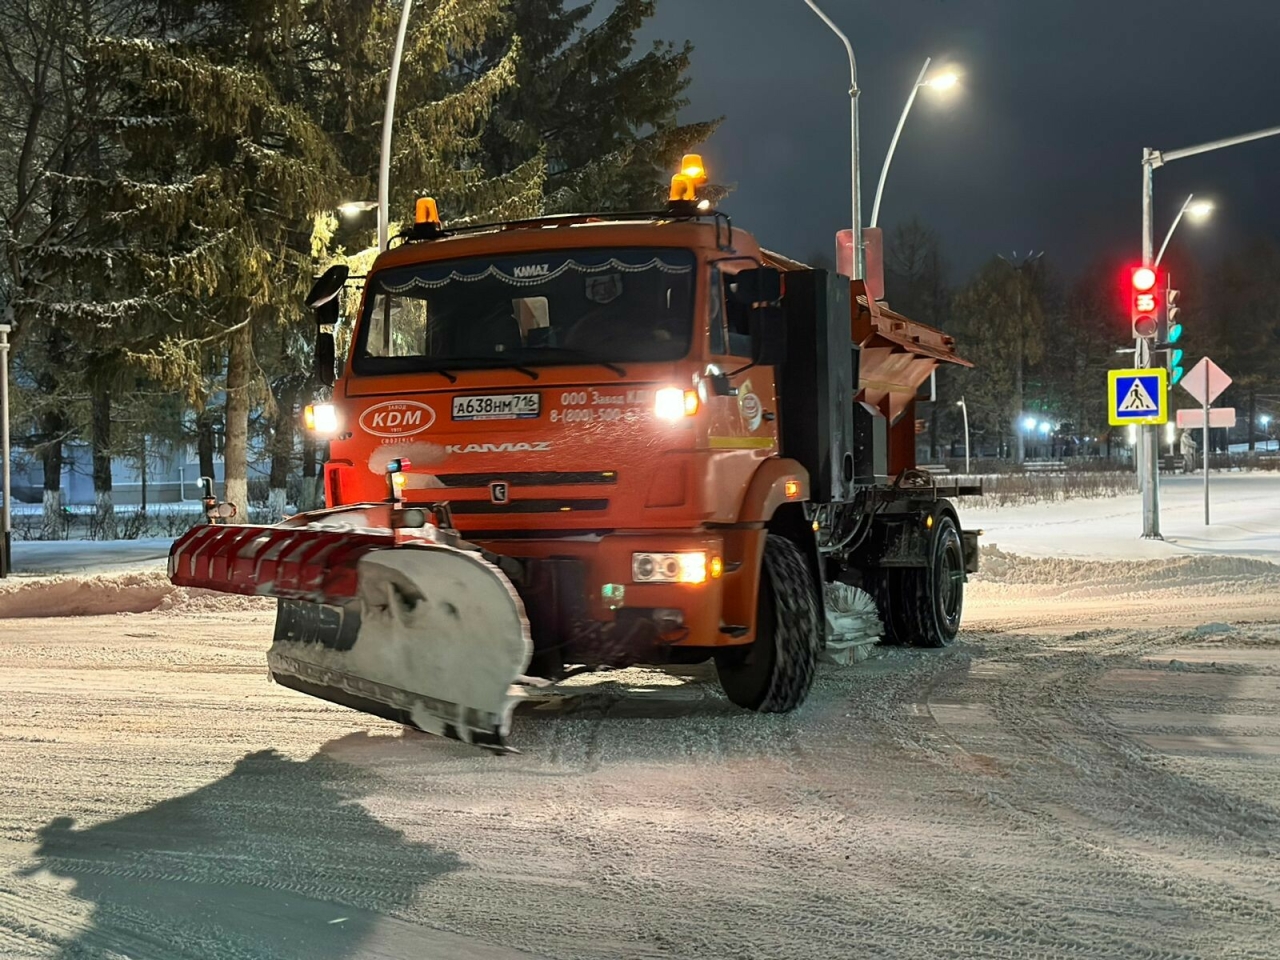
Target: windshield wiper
x=587 y=357
x=531 y=374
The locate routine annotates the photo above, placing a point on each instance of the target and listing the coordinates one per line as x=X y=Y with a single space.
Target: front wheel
x=774 y=672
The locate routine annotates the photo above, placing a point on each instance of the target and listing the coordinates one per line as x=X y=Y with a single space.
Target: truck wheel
x=891 y=596
x=774 y=672
x=929 y=600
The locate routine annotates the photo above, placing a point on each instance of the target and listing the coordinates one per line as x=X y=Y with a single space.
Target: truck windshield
x=573 y=306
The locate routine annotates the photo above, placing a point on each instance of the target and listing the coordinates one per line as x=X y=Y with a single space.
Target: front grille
x=539 y=479
x=460 y=507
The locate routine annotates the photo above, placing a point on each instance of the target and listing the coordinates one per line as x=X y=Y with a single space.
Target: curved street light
x=943 y=81
x=854 y=160
x=1199 y=210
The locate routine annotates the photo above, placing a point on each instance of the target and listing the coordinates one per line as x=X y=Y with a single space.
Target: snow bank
x=101 y=594
x=1001 y=572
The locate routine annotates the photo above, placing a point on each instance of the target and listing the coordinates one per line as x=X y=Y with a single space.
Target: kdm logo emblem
x=397 y=418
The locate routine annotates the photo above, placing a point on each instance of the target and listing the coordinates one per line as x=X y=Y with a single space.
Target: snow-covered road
x=1093 y=772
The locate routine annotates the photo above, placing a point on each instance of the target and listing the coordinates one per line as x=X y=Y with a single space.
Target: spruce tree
x=242 y=133
x=606 y=119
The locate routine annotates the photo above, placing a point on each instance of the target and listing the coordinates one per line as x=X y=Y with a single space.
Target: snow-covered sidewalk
x=1244 y=514
x=89 y=556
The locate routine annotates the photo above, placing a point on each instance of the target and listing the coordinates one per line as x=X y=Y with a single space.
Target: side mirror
x=327 y=287
x=758 y=285
x=768 y=336
x=325 y=358
x=323 y=299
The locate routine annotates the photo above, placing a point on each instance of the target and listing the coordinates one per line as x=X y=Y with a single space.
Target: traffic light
x=1144 y=302
x=1169 y=332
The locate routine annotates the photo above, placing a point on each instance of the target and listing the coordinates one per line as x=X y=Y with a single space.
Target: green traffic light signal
x=1175 y=375
x=1175 y=331
x=1175 y=359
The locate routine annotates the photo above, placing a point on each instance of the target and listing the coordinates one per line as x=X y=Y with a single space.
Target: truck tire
x=927 y=603
x=774 y=672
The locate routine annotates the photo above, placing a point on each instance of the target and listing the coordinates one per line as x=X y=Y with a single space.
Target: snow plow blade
x=412 y=630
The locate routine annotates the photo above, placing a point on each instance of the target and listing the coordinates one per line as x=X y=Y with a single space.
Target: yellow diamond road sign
x=1138 y=396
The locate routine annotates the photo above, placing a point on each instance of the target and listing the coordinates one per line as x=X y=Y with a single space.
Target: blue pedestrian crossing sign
x=1138 y=396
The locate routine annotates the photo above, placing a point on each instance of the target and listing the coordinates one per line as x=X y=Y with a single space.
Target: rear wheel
x=928 y=601
x=774 y=672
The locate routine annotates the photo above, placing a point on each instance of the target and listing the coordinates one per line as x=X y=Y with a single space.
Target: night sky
x=1040 y=146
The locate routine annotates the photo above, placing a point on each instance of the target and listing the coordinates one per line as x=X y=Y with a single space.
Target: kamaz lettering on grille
x=540 y=446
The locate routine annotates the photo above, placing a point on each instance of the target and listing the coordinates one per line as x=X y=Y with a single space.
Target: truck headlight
x=321 y=417
x=689 y=567
x=673 y=404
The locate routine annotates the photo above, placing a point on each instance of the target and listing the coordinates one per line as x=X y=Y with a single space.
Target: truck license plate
x=500 y=406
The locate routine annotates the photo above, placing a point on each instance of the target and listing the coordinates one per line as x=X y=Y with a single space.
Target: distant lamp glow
x=1044 y=426
x=1029 y=423
x=354 y=208
x=1200 y=209
x=1265 y=419
x=943 y=81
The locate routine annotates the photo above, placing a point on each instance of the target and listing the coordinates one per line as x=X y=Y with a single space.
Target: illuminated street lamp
x=354 y=208
x=942 y=81
x=1029 y=424
x=1198 y=211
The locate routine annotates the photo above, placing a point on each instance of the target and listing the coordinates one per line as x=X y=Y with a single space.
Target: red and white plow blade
x=412 y=630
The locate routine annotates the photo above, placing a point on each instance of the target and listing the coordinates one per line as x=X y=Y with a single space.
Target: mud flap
x=435 y=638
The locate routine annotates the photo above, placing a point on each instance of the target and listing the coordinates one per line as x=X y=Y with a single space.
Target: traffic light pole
x=1149 y=441
x=1148 y=453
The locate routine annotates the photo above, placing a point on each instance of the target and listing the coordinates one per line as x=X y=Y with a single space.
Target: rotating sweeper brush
x=380 y=610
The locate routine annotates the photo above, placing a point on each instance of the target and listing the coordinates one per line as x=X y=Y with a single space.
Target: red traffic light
x=1144 y=301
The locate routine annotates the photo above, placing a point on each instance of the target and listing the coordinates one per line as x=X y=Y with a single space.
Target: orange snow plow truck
x=584 y=442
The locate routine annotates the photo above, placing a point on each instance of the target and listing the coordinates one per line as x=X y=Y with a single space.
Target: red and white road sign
x=1193 y=382
x=1218 y=417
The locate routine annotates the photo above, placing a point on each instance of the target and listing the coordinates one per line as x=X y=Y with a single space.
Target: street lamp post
x=942 y=82
x=6 y=486
x=964 y=409
x=854 y=158
x=1149 y=458
x=384 y=164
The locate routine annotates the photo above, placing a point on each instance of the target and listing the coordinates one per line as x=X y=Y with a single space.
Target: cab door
x=744 y=425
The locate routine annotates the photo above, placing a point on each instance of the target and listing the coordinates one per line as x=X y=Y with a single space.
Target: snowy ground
x=1091 y=772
